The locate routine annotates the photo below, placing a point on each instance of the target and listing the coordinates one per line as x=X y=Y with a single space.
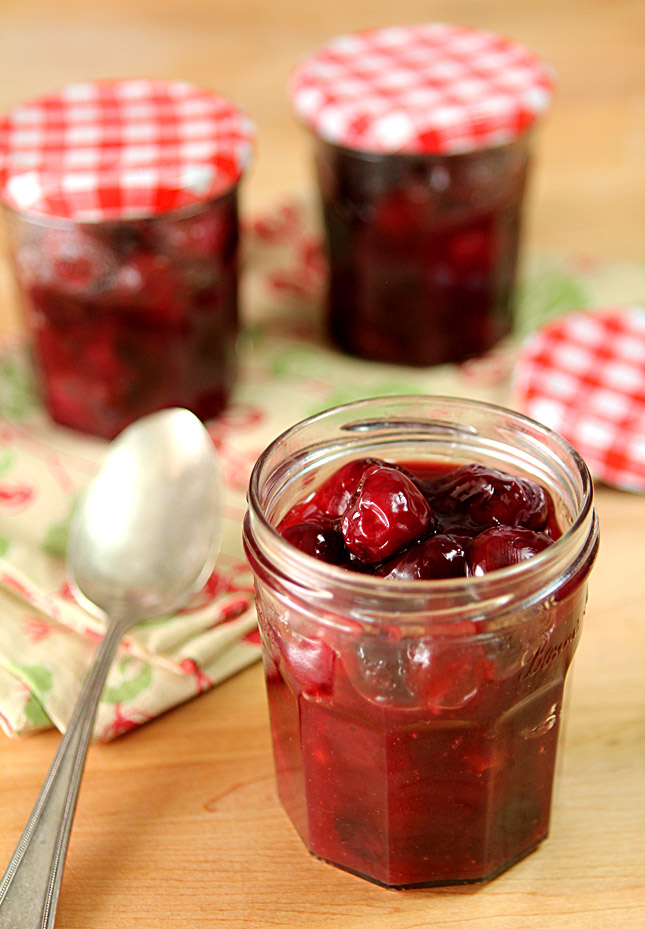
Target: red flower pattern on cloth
x=123 y=721
x=15 y=496
x=202 y=681
x=37 y=628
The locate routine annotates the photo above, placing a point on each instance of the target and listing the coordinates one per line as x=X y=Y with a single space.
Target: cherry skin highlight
x=419 y=521
x=385 y=514
x=334 y=495
x=320 y=539
x=439 y=556
x=502 y=546
x=488 y=497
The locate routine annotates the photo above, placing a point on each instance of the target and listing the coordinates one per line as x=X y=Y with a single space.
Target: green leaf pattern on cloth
x=287 y=371
x=17 y=393
x=6 y=460
x=136 y=678
x=553 y=292
x=38 y=680
x=55 y=541
x=35 y=713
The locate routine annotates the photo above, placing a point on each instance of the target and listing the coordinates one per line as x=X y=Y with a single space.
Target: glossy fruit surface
x=386 y=513
x=319 y=538
x=439 y=556
x=417 y=522
x=484 y=496
x=502 y=546
x=334 y=495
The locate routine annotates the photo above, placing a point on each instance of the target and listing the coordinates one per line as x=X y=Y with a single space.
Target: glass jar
x=415 y=723
x=422 y=140
x=126 y=317
x=121 y=202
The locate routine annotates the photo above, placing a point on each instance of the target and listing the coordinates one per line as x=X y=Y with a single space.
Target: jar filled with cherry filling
x=122 y=216
x=421 y=570
x=422 y=141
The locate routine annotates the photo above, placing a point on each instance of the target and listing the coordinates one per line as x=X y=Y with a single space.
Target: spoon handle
x=30 y=885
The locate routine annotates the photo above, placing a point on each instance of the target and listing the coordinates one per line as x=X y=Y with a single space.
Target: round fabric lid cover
x=430 y=89
x=584 y=376
x=121 y=149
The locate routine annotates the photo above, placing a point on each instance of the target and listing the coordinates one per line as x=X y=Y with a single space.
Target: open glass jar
x=422 y=136
x=122 y=217
x=415 y=723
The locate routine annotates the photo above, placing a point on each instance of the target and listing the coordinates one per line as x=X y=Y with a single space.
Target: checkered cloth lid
x=584 y=376
x=121 y=149
x=428 y=89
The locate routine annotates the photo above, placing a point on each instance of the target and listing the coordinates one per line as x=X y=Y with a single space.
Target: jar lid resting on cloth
x=110 y=150
x=584 y=376
x=425 y=89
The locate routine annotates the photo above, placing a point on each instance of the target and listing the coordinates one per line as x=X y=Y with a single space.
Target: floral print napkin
x=287 y=371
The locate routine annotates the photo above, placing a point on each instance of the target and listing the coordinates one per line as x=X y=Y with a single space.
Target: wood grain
x=178 y=824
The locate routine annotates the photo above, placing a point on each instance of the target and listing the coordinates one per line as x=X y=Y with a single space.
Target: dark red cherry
x=447 y=678
x=320 y=539
x=335 y=493
x=74 y=261
x=150 y=283
x=471 y=250
x=502 y=546
x=439 y=556
x=386 y=513
x=202 y=236
x=304 y=511
x=488 y=497
x=310 y=661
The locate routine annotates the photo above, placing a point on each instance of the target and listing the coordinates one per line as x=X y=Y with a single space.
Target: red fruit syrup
x=427 y=760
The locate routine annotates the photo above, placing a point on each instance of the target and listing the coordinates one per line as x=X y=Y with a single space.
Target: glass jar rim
x=498 y=588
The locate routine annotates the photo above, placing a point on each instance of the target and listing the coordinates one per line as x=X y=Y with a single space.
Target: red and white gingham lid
x=584 y=376
x=121 y=149
x=427 y=89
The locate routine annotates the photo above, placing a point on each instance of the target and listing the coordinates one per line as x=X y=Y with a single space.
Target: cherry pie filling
x=127 y=317
x=416 y=759
x=422 y=250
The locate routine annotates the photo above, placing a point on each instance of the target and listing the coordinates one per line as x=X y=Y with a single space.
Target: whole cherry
x=488 y=497
x=386 y=513
x=320 y=539
x=502 y=546
x=334 y=494
x=440 y=556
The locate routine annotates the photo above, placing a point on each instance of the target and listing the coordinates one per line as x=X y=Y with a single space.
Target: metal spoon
x=143 y=537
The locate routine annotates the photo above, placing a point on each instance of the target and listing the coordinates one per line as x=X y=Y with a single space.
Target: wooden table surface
x=178 y=823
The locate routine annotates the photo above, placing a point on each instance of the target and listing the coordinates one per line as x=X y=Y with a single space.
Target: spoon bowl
x=147 y=529
x=143 y=537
